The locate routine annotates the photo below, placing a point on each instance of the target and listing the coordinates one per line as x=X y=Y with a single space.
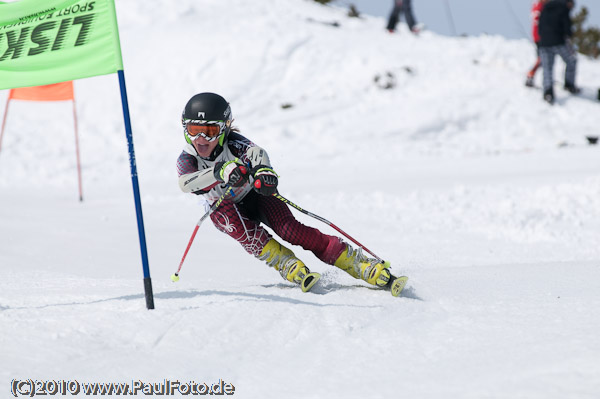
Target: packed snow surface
x=484 y=195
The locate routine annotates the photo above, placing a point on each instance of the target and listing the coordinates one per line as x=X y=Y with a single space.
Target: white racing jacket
x=196 y=174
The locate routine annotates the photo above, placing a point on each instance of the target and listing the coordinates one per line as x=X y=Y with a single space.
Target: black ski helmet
x=207 y=108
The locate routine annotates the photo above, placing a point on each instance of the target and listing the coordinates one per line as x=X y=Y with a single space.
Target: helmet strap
x=187 y=139
x=225 y=132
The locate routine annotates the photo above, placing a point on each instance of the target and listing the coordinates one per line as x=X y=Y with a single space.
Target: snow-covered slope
x=487 y=197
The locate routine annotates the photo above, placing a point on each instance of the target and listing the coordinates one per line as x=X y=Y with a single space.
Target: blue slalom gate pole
x=136 y=193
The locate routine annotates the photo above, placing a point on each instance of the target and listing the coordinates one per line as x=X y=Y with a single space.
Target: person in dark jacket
x=399 y=7
x=555 y=31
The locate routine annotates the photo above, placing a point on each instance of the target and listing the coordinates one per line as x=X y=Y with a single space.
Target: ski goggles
x=208 y=131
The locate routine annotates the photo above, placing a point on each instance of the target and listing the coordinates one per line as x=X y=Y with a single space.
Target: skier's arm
x=192 y=179
x=567 y=26
x=265 y=179
x=257 y=156
x=202 y=181
x=230 y=172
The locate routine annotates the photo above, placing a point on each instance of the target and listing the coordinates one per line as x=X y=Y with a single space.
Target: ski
x=397 y=284
x=309 y=281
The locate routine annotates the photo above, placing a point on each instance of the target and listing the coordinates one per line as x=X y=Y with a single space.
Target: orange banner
x=54 y=92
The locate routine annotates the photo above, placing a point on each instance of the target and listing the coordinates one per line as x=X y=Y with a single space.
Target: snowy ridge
x=487 y=197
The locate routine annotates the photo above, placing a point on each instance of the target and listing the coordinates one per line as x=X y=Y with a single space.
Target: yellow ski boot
x=291 y=268
x=373 y=271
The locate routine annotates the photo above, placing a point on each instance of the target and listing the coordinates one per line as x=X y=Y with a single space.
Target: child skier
x=218 y=160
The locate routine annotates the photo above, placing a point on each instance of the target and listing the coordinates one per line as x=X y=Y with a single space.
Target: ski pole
x=175 y=276
x=327 y=222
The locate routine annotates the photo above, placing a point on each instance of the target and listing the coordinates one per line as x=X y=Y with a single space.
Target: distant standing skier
x=404 y=6
x=555 y=38
x=536 y=10
x=217 y=156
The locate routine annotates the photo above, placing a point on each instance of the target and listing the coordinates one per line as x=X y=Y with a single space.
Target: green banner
x=51 y=41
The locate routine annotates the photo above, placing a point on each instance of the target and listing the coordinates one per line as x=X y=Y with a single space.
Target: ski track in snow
x=485 y=196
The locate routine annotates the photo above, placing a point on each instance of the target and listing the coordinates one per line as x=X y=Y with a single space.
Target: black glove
x=233 y=172
x=265 y=180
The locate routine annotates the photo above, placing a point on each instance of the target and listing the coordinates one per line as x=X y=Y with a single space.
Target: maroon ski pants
x=242 y=221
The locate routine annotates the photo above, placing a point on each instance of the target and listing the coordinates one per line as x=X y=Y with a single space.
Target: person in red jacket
x=536 y=11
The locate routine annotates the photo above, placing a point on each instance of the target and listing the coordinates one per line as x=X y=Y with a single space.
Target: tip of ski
x=397 y=285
